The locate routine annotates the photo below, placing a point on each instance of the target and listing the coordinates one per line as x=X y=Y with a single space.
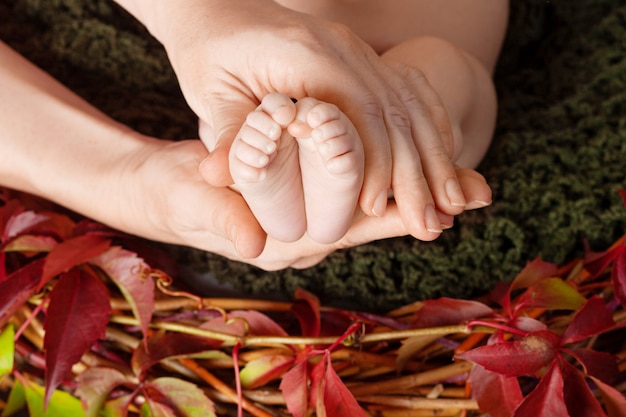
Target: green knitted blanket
x=557 y=160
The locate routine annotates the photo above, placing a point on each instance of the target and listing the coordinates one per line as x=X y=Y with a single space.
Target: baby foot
x=263 y=162
x=331 y=166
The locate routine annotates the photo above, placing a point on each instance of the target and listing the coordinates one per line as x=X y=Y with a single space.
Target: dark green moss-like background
x=557 y=160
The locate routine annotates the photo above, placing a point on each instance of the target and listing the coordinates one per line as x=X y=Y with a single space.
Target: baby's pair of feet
x=299 y=166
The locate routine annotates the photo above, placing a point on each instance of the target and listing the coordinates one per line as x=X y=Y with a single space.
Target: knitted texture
x=555 y=165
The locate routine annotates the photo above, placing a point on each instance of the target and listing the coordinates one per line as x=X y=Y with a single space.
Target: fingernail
x=476 y=204
x=455 y=195
x=433 y=224
x=380 y=204
x=446 y=226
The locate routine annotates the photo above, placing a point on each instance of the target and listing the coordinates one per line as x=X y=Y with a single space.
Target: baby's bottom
x=299 y=167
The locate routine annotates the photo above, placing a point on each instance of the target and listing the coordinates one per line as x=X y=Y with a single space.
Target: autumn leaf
x=531 y=273
x=17 y=288
x=31 y=243
x=579 y=399
x=126 y=270
x=338 y=400
x=592 y=319
x=21 y=223
x=8 y=211
x=614 y=400
x=547 y=399
x=59 y=403
x=162 y=346
x=517 y=358
x=183 y=398
x=95 y=385
x=550 y=293
x=306 y=307
x=447 y=311
x=294 y=387
x=72 y=252
x=496 y=394
x=601 y=365
x=77 y=316
x=7 y=348
x=260 y=371
x=618 y=277
x=258 y=323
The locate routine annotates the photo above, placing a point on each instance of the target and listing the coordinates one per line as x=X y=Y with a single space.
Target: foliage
x=83 y=318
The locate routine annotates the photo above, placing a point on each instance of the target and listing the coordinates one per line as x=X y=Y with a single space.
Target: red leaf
x=258 y=323
x=71 y=253
x=338 y=400
x=294 y=387
x=550 y=293
x=596 y=263
x=179 y=397
x=128 y=272
x=22 y=223
x=593 y=318
x=579 y=399
x=95 y=385
x=17 y=288
x=168 y=345
x=447 y=311
x=518 y=358
x=496 y=394
x=622 y=193
x=306 y=307
x=601 y=365
x=31 y=243
x=77 y=316
x=260 y=371
x=318 y=382
x=8 y=211
x=614 y=401
x=532 y=272
x=547 y=399
x=618 y=277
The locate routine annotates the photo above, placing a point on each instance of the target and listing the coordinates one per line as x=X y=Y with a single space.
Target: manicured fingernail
x=433 y=224
x=455 y=195
x=476 y=204
x=380 y=204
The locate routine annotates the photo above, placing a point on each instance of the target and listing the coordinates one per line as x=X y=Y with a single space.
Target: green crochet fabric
x=557 y=160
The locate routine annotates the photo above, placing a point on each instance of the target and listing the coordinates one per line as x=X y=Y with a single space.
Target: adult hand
x=228 y=55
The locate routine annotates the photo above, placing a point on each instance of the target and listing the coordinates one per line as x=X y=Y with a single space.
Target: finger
x=227 y=118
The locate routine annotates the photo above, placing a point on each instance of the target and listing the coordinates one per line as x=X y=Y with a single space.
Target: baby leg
x=264 y=164
x=331 y=165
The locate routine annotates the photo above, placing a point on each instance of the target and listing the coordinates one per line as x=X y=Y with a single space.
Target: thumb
x=218 y=135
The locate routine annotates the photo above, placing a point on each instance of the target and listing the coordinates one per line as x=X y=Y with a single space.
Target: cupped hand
x=229 y=57
x=166 y=199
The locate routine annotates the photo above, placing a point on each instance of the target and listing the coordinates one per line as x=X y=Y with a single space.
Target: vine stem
x=232 y=340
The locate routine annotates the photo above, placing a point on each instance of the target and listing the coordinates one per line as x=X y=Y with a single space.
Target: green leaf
x=260 y=371
x=61 y=403
x=7 y=350
x=16 y=401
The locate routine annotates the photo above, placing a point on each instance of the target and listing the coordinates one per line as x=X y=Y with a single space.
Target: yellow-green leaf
x=7 y=350
x=61 y=403
x=16 y=401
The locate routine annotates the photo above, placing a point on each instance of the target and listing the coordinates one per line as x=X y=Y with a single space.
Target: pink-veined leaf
x=294 y=387
x=260 y=371
x=31 y=243
x=226 y=325
x=95 y=385
x=127 y=271
x=601 y=365
x=592 y=319
x=614 y=401
x=77 y=316
x=183 y=398
x=318 y=385
x=517 y=358
x=338 y=400
x=17 y=288
x=579 y=399
x=448 y=311
x=547 y=399
x=258 y=323
x=496 y=394
x=168 y=345
x=531 y=273
x=306 y=307
x=550 y=293
x=22 y=223
x=8 y=211
x=618 y=277
x=71 y=253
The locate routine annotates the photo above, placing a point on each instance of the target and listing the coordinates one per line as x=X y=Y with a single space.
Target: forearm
x=56 y=145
